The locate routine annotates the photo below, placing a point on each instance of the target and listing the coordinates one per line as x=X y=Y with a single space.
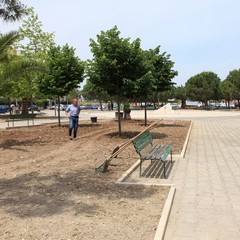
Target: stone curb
x=162 y=225
x=128 y=172
x=182 y=155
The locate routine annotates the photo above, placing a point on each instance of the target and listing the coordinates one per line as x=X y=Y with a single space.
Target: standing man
x=73 y=112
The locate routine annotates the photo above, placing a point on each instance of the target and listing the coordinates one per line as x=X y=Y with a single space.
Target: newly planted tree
x=115 y=59
x=65 y=73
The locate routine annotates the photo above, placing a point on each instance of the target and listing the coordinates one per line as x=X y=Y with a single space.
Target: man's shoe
x=70 y=138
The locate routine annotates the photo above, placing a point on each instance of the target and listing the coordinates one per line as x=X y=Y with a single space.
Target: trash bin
x=121 y=115
x=93 y=119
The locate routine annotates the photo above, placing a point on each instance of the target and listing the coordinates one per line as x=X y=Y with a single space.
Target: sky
x=200 y=35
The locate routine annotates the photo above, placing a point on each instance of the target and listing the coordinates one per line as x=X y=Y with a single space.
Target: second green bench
x=19 y=117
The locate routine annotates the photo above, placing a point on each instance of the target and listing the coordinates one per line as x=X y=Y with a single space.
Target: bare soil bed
x=50 y=189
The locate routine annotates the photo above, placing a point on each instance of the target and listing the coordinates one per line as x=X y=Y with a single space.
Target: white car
x=62 y=107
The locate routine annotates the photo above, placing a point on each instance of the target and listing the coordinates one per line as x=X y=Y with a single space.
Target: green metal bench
x=156 y=152
x=20 y=117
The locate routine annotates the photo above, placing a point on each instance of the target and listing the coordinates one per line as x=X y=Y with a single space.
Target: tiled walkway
x=207 y=200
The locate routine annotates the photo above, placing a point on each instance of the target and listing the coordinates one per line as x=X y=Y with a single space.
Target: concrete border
x=128 y=172
x=182 y=154
x=162 y=224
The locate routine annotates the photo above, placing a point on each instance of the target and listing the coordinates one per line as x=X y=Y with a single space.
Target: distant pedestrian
x=73 y=113
x=12 y=109
x=109 y=106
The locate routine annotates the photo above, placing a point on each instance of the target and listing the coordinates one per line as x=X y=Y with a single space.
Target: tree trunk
x=100 y=103
x=145 y=113
x=9 y=105
x=119 y=119
x=25 y=105
x=59 y=120
x=183 y=105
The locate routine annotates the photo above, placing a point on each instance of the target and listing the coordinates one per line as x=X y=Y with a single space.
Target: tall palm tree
x=17 y=72
x=12 y=10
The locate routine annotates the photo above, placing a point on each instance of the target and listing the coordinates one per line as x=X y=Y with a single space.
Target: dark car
x=3 y=108
x=33 y=108
x=94 y=107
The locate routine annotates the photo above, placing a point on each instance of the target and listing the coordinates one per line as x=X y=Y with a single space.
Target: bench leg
x=164 y=169
x=140 y=168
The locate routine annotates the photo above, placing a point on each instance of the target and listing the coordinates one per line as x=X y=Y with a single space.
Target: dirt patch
x=50 y=190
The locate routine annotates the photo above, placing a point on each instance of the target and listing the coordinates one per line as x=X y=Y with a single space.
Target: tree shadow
x=34 y=195
x=132 y=134
x=15 y=144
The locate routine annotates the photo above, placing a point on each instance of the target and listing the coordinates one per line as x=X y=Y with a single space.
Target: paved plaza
x=207 y=180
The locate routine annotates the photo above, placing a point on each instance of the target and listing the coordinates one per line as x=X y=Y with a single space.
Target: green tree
x=34 y=50
x=12 y=10
x=203 y=87
x=6 y=54
x=92 y=91
x=36 y=42
x=156 y=76
x=227 y=90
x=234 y=80
x=180 y=93
x=115 y=60
x=65 y=73
x=19 y=81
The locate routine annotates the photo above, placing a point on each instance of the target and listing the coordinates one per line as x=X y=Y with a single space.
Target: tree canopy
x=203 y=87
x=65 y=72
x=233 y=79
x=36 y=42
x=115 y=59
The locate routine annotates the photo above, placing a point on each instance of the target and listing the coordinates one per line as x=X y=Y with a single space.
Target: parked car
x=3 y=108
x=33 y=108
x=62 y=107
x=94 y=107
x=83 y=107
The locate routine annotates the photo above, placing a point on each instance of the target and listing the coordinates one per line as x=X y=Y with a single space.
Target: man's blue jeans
x=73 y=125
